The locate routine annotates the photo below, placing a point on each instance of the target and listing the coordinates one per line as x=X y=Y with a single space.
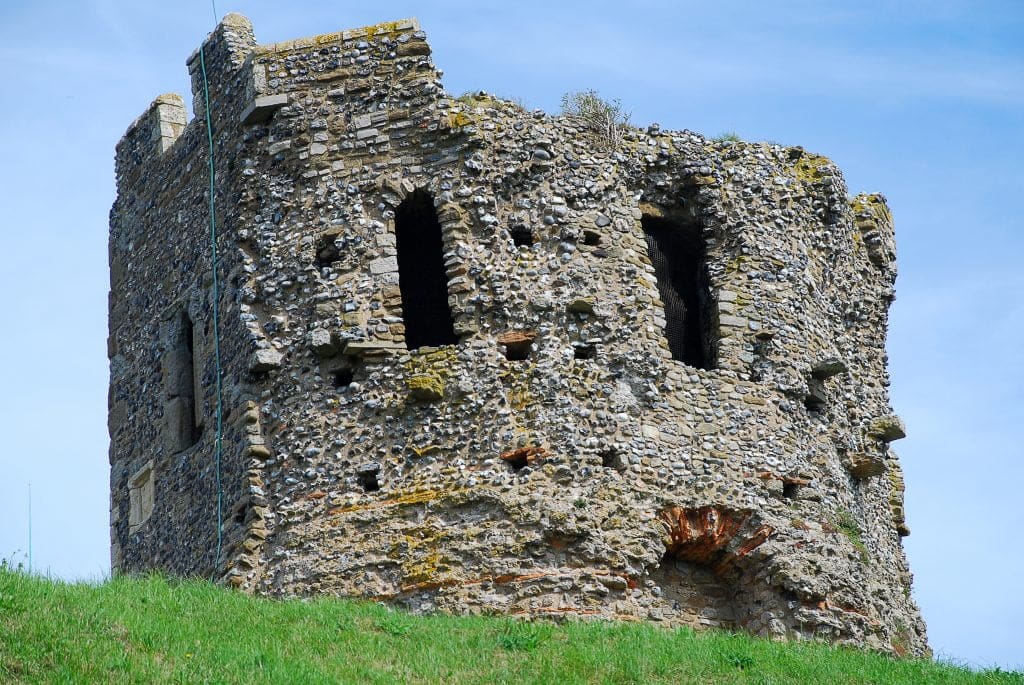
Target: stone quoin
x=481 y=359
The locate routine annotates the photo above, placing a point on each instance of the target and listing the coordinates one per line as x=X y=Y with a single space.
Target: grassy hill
x=146 y=630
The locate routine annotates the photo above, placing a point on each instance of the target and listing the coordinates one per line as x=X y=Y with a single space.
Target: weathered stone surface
x=863 y=465
x=887 y=428
x=262 y=108
x=426 y=387
x=323 y=343
x=266 y=360
x=558 y=459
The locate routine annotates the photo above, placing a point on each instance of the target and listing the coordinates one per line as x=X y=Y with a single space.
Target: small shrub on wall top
x=604 y=117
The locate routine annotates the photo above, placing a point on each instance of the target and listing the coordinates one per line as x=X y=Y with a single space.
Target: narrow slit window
x=677 y=253
x=183 y=410
x=421 y=275
x=194 y=379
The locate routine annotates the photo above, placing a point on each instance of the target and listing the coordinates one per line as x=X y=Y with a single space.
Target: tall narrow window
x=678 y=255
x=183 y=411
x=421 y=275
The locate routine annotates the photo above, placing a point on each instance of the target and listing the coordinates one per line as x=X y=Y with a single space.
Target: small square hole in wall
x=518 y=351
x=367 y=478
x=518 y=461
x=584 y=351
x=611 y=459
x=342 y=378
x=518 y=344
x=792 y=486
x=327 y=251
x=816 y=400
x=522 y=236
x=591 y=238
x=814 y=404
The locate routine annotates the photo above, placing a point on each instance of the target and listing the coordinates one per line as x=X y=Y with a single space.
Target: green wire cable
x=216 y=317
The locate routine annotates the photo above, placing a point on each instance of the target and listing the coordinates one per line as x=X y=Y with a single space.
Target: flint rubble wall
x=596 y=477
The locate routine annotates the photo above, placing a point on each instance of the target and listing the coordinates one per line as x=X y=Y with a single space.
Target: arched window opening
x=421 y=274
x=678 y=254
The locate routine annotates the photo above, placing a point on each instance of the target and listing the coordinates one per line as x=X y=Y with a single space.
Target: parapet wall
x=656 y=387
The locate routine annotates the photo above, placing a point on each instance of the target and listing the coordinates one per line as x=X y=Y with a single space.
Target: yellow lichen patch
x=735 y=264
x=420 y=549
x=806 y=166
x=426 y=387
x=872 y=204
x=428 y=372
x=519 y=399
x=424 y=570
x=858 y=241
x=328 y=38
x=408 y=498
x=388 y=27
x=459 y=119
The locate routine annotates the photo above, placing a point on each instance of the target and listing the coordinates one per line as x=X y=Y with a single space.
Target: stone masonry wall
x=556 y=460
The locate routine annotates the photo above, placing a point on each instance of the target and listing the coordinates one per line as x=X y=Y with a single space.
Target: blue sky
x=923 y=101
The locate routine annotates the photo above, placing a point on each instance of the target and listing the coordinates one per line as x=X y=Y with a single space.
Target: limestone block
x=887 y=428
x=826 y=368
x=862 y=465
x=324 y=343
x=262 y=108
x=264 y=360
x=384 y=265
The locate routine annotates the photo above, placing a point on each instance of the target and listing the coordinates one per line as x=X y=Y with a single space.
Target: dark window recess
x=522 y=235
x=677 y=253
x=327 y=251
x=421 y=275
x=584 y=351
x=367 y=478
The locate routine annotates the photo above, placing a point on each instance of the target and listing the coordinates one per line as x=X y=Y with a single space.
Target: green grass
x=146 y=630
x=848 y=526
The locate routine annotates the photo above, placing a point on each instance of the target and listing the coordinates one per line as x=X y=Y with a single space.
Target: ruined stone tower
x=475 y=358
